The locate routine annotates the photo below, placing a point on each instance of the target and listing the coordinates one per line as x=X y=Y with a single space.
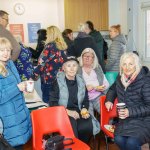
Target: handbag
x=57 y=143
x=4 y=145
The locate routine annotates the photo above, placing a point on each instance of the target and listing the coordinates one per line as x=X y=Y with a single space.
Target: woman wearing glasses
x=94 y=78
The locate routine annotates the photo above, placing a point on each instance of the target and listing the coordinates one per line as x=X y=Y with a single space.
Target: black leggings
x=83 y=128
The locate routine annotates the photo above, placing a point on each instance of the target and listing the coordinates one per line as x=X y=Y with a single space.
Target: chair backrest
x=111 y=77
x=50 y=120
x=107 y=115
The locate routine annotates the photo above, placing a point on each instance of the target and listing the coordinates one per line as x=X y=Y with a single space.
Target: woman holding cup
x=13 y=111
x=132 y=87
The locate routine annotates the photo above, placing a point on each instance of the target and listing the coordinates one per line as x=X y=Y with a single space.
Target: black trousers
x=83 y=128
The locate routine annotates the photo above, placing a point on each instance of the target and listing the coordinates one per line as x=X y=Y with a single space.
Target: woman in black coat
x=132 y=87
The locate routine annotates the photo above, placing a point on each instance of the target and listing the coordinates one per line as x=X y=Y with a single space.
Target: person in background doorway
x=116 y=49
x=13 y=111
x=50 y=60
x=7 y=34
x=132 y=87
x=70 y=91
x=97 y=37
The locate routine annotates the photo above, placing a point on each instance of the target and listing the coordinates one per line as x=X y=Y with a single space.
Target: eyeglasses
x=5 y=19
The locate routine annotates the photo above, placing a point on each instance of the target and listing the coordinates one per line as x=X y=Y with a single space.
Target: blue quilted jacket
x=13 y=111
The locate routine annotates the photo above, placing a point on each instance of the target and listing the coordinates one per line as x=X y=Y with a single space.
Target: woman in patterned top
x=50 y=60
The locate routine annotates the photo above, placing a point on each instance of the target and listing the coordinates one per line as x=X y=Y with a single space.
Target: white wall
x=51 y=12
x=46 y=12
x=118 y=14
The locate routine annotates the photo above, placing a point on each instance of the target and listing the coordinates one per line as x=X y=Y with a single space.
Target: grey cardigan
x=64 y=95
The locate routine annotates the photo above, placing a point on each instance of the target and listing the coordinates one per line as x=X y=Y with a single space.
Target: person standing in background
x=50 y=60
x=98 y=39
x=7 y=34
x=40 y=44
x=82 y=41
x=116 y=49
x=68 y=37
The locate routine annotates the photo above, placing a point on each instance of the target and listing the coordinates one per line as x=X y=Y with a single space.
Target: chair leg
x=106 y=140
x=94 y=142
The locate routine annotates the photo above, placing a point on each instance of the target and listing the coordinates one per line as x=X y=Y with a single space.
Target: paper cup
x=119 y=107
x=30 y=86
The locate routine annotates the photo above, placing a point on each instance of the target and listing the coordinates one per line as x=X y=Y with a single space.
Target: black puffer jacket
x=137 y=99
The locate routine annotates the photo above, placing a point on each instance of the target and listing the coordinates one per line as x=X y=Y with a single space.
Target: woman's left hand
x=22 y=86
x=123 y=113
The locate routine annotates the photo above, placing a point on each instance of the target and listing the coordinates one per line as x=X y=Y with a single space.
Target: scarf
x=127 y=80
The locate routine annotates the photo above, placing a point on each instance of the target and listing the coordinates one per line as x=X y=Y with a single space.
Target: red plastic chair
x=106 y=116
x=51 y=120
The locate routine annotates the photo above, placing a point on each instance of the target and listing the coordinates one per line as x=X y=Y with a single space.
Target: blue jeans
x=128 y=143
x=46 y=88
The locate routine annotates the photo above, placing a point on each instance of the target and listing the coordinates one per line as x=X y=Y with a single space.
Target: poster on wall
x=32 y=31
x=17 y=31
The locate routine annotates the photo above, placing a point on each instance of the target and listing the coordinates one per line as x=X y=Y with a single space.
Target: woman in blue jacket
x=13 y=111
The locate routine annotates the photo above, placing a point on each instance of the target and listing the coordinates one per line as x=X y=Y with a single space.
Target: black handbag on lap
x=4 y=145
x=57 y=143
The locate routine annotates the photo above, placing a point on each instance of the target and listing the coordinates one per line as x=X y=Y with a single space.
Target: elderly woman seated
x=132 y=87
x=70 y=91
x=94 y=78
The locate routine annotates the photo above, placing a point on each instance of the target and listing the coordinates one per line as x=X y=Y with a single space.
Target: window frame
x=143 y=29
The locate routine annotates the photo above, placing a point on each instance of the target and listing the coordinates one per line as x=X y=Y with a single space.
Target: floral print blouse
x=24 y=63
x=49 y=63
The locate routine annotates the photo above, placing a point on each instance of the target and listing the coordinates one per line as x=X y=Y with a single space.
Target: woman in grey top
x=117 y=48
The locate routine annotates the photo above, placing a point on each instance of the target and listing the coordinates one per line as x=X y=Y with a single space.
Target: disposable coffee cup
x=30 y=86
x=119 y=107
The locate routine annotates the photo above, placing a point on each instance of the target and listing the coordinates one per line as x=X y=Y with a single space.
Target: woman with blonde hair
x=116 y=49
x=13 y=111
x=94 y=78
x=50 y=60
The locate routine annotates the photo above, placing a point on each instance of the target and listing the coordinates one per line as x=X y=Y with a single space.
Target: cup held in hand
x=30 y=86
x=119 y=107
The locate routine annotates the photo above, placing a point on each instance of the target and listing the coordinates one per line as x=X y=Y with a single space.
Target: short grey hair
x=82 y=27
x=89 y=50
x=138 y=64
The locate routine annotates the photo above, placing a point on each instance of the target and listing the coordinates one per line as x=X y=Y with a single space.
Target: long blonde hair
x=54 y=35
x=4 y=44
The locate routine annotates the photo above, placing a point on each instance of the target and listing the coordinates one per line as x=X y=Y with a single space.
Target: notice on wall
x=32 y=31
x=17 y=31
